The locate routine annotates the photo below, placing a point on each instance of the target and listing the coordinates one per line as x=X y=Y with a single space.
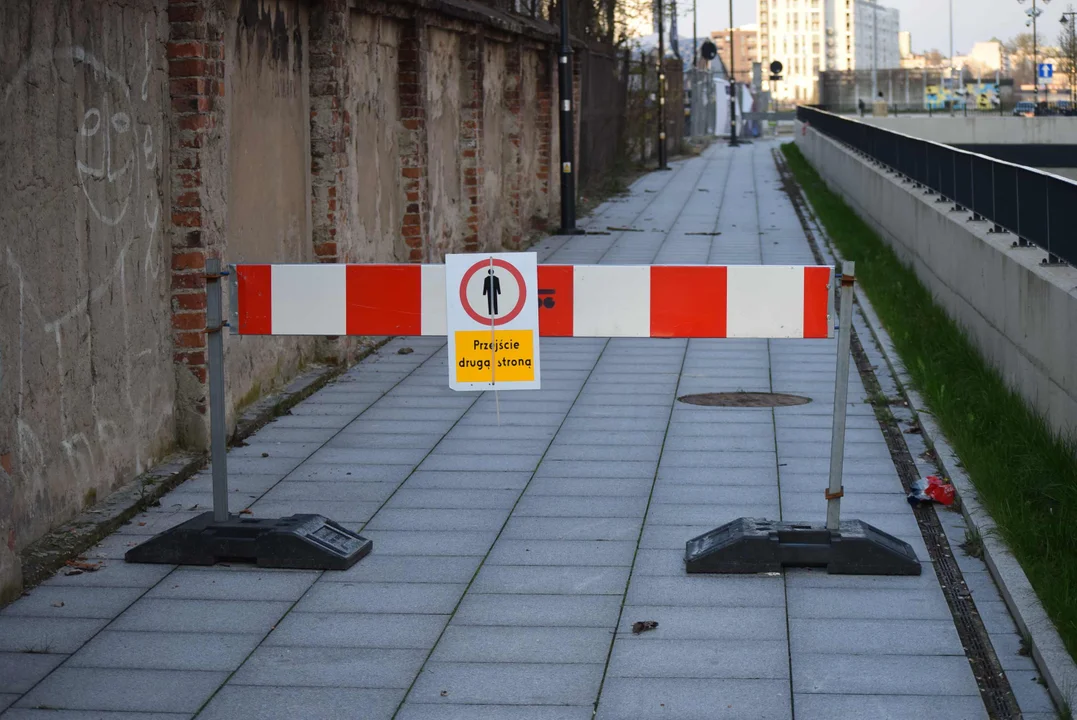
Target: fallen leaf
x=265 y=454
x=404 y=351
x=58 y=603
x=72 y=571
x=81 y=564
x=643 y=626
x=141 y=524
x=246 y=511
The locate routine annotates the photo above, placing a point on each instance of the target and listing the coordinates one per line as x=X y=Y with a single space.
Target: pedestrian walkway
x=512 y=557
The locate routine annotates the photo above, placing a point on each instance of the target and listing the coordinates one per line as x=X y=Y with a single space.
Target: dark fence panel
x=1033 y=205
x=603 y=110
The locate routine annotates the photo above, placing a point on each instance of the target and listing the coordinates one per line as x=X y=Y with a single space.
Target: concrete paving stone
x=357 y=629
x=407 y=497
x=493 y=446
x=337 y=472
x=562 y=552
x=427 y=400
x=883 y=674
x=625 y=397
x=570 y=528
x=220 y=583
x=113 y=574
x=760 y=442
x=330 y=408
x=201 y=616
x=399 y=568
x=508 y=432
x=853 y=436
x=389 y=518
x=855 y=504
x=761 y=476
x=70 y=688
x=157 y=650
x=800 y=578
x=704 y=590
x=257 y=448
x=670 y=494
x=693 y=699
x=366 y=427
x=468 y=480
x=507 y=684
x=635 y=438
x=473 y=644
x=888 y=707
x=21 y=671
x=370 y=456
x=433 y=543
x=574 y=425
x=1032 y=697
x=580 y=506
x=793 y=481
x=35 y=714
x=279 y=466
x=334 y=667
x=21 y=634
x=626 y=411
x=248 y=702
x=874 y=637
x=441 y=711
x=380 y=414
x=383 y=441
x=552 y=580
x=66 y=602
x=704 y=624
x=371 y=597
x=273 y=434
x=595 y=469
x=360 y=491
x=719 y=459
x=1008 y=648
x=520 y=406
x=307 y=422
x=719 y=659
x=644 y=453
x=714 y=515
x=338 y=510
x=720 y=432
x=489 y=420
x=659 y=562
x=488 y=463
x=996 y=617
x=251 y=484
x=788 y=451
x=665 y=537
x=864 y=604
x=151 y=523
x=599 y=487
x=538 y=610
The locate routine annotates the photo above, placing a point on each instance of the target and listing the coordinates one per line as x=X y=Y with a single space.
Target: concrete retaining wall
x=1022 y=316
x=982 y=129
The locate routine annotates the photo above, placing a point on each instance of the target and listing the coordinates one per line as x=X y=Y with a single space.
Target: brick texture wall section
x=545 y=98
x=513 y=80
x=412 y=140
x=471 y=126
x=195 y=54
x=330 y=124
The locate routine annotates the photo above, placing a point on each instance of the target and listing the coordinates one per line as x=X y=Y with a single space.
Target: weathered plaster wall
x=498 y=155
x=375 y=192
x=533 y=199
x=86 y=384
x=267 y=171
x=445 y=88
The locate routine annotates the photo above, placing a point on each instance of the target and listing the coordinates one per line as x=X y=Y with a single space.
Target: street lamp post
x=1033 y=13
x=661 y=88
x=733 y=142
x=568 y=178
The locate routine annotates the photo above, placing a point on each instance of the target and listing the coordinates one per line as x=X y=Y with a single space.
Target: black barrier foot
x=300 y=542
x=751 y=545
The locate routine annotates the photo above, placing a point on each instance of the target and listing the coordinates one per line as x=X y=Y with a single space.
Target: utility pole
x=568 y=180
x=661 y=89
x=1033 y=13
x=695 y=44
x=732 y=84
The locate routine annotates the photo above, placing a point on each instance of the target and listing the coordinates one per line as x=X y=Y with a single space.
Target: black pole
x=732 y=85
x=568 y=180
x=661 y=89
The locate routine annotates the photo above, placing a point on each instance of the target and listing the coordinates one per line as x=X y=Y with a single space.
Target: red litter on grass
x=931 y=489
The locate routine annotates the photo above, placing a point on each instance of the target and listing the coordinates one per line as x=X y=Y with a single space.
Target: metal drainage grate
x=744 y=399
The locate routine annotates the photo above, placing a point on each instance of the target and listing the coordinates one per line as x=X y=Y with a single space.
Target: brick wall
x=330 y=124
x=412 y=139
x=471 y=134
x=195 y=54
x=513 y=78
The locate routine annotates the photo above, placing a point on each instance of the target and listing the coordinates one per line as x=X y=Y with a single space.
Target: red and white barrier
x=712 y=301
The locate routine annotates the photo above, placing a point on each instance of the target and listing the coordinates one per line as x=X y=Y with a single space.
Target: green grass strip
x=1026 y=476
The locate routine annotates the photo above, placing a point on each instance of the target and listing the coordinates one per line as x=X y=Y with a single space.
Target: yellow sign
x=511 y=354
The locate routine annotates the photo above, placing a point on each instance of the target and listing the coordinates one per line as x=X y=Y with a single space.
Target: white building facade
x=809 y=36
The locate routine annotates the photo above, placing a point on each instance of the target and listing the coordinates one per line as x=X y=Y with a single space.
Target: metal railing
x=1015 y=198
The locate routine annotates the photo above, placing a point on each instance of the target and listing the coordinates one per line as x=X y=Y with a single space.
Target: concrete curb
x=48 y=554
x=1048 y=651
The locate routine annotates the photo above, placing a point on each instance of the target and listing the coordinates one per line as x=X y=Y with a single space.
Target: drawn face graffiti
x=107 y=144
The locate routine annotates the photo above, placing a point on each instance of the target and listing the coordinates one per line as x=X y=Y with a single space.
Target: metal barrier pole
x=841 y=395
x=215 y=341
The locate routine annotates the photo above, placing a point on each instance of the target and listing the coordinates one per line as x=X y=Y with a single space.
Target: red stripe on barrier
x=688 y=301
x=255 y=299
x=555 y=300
x=816 y=302
x=384 y=299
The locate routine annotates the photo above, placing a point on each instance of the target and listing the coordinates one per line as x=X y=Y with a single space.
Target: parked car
x=1024 y=109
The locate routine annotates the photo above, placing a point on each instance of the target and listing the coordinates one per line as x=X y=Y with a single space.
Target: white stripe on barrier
x=611 y=301
x=433 y=300
x=765 y=301
x=309 y=300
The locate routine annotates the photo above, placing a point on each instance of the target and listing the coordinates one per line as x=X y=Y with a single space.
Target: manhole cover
x=744 y=399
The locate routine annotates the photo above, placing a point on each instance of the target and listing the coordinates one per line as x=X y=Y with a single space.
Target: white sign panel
x=492 y=314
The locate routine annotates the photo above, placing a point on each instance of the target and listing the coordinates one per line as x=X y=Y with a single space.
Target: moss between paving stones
x=1026 y=476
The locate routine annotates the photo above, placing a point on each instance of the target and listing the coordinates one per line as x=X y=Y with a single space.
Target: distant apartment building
x=745 y=50
x=809 y=36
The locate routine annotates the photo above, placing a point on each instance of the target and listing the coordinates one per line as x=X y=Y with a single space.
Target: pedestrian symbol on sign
x=491 y=288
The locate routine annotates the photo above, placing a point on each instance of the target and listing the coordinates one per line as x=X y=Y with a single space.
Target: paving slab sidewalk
x=511 y=559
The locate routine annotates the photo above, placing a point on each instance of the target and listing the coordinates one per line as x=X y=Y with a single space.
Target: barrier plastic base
x=305 y=542
x=751 y=545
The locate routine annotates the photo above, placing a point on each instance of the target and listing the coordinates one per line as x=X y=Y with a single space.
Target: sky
x=928 y=20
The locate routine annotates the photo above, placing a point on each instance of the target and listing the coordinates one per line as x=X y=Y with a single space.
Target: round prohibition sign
x=497 y=262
